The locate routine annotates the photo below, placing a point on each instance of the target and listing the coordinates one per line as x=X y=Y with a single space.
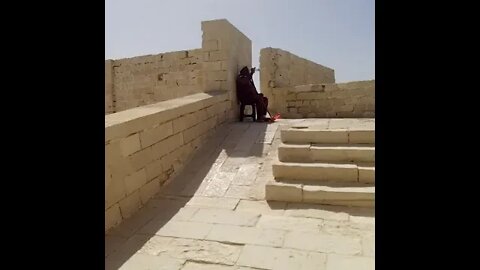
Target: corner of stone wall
x=282 y=70
x=225 y=51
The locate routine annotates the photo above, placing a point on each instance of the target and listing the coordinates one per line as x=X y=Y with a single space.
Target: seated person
x=247 y=93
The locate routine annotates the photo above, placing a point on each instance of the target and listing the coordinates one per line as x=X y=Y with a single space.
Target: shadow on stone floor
x=241 y=141
x=237 y=140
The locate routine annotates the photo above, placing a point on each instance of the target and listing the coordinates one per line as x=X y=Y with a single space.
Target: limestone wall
x=148 y=79
x=109 y=95
x=281 y=69
x=299 y=88
x=349 y=100
x=147 y=146
x=227 y=51
x=161 y=108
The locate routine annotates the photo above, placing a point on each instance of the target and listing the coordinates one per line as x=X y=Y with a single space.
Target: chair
x=242 y=111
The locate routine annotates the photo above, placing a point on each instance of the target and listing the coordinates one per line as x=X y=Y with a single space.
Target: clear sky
x=339 y=34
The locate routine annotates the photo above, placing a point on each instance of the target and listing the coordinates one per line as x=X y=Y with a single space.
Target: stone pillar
x=225 y=51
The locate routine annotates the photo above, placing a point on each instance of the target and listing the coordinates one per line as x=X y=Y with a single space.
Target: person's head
x=245 y=71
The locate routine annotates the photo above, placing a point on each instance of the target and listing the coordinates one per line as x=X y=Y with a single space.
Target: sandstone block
x=112 y=217
x=246 y=235
x=148 y=190
x=335 y=261
x=185 y=229
x=130 y=204
x=156 y=134
x=277 y=191
x=221 y=216
x=130 y=144
x=323 y=243
x=134 y=181
x=211 y=202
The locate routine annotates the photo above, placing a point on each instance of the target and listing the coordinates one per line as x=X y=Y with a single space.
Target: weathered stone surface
x=112 y=243
x=246 y=235
x=156 y=224
x=246 y=175
x=185 y=229
x=211 y=232
x=290 y=223
x=278 y=191
x=361 y=136
x=335 y=262
x=213 y=202
x=219 y=184
x=368 y=246
x=147 y=262
x=300 y=88
x=327 y=193
x=221 y=216
x=314 y=136
x=342 y=228
x=204 y=266
x=282 y=259
x=113 y=217
x=204 y=251
x=262 y=207
x=240 y=192
x=315 y=172
x=323 y=243
x=314 y=211
x=260 y=257
x=366 y=174
x=342 y=153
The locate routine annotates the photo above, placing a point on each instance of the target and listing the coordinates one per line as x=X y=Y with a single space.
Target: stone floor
x=213 y=214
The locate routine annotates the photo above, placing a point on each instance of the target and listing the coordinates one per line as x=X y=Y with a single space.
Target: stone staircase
x=333 y=167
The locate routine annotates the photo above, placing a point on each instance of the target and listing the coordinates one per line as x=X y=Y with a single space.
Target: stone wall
x=147 y=146
x=161 y=108
x=299 y=88
x=227 y=51
x=109 y=95
x=148 y=79
x=343 y=100
x=281 y=69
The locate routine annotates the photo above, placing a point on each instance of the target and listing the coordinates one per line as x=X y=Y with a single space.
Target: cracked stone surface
x=215 y=215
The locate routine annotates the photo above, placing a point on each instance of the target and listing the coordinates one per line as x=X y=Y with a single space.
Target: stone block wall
x=161 y=108
x=227 y=51
x=282 y=69
x=342 y=100
x=299 y=88
x=109 y=104
x=147 y=146
x=148 y=79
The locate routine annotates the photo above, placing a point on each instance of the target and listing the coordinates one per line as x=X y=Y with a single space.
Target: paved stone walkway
x=213 y=214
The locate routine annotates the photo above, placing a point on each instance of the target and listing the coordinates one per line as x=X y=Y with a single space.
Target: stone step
x=343 y=136
x=326 y=152
x=352 y=195
x=366 y=174
x=322 y=172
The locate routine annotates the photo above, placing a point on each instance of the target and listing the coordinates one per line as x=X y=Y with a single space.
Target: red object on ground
x=273 y=118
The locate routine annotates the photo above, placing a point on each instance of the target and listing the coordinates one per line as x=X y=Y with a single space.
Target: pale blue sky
x=339 y=34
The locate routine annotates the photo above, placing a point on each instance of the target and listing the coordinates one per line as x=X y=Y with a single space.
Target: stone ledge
x=330 y=87
x=121 y=124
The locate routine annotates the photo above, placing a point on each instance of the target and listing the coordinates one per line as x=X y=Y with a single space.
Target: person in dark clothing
x=247 y=92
